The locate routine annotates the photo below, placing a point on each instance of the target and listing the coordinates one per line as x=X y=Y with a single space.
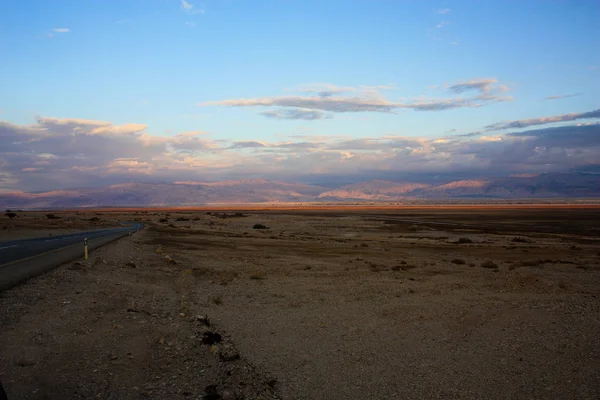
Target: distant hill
x=164 y=194
x=186 y=193
x=372 y=190
x=551 y=185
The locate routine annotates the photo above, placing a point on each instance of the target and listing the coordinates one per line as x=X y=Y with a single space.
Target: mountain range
x=188 y=193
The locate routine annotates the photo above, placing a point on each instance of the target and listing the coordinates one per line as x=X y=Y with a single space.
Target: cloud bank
x=55 y=153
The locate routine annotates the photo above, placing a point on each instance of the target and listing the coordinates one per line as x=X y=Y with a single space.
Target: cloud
x=384 y=143
x=442 y=11
x=190 y=24
x=56 y=31
x=484 y=85
x=328 y=89
x=562 y=96
x=333 y=104
x=442 y=24
x=367 y=99
x=190 y=8
x=87 y=127
x=325 y=89
x=192 y=133
x=295 y=113
x=524 y=123
x=249 y=144
x=186 y=6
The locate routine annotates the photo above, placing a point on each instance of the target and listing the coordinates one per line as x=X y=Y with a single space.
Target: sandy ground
x=317 y=306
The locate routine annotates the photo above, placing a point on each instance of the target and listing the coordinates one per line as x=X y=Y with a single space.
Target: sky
x=99 y=92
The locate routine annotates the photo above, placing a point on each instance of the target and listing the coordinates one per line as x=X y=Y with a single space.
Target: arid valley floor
x=494 y=302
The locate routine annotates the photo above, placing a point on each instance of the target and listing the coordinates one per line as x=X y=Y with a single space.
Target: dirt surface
x=27 y=225
x=472 y=303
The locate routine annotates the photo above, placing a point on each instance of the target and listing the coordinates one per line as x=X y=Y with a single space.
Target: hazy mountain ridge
x=372 y=190
x=551 y=185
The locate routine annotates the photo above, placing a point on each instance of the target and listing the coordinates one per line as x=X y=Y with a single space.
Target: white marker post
x=85 y=251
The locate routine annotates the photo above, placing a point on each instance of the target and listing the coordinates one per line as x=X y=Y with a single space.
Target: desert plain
x=449 y=302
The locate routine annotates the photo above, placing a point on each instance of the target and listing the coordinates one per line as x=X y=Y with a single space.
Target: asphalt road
x=22 y=259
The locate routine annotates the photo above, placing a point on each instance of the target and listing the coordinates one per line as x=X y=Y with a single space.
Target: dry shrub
x=258 y=275
x=463 y=240
x=489 y=264
x=531 y=263
x=202 y=272
x=404 y=267
x=562 y=284
x=225 y=277
x=375 y=268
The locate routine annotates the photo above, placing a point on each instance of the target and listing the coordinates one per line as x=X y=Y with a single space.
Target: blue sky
x=177 y=66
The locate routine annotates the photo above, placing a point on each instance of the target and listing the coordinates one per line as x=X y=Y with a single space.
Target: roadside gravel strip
x=125 y=324
x=13 y=271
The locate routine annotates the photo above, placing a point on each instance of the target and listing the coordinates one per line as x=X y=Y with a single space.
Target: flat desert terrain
x=465 y=302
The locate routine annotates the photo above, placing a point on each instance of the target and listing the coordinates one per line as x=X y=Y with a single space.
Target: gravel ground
x=313 y=308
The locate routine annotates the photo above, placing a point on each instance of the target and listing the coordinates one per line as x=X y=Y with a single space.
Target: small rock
x=26 y=363
x=77 y=265
x=169 y=260
x=229 y=353
x=203 y=320
x=227 y=395
x=211 y=393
